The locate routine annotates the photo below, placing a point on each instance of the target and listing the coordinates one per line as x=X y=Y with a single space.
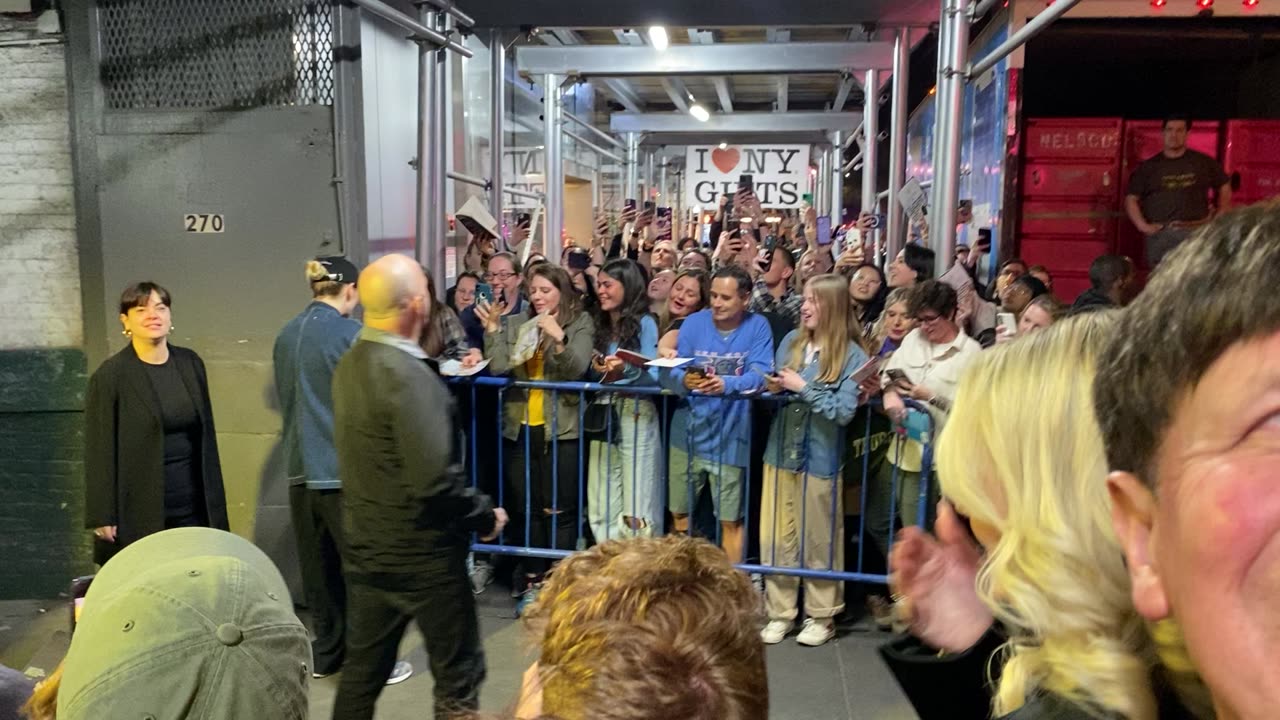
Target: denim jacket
x=305 y=355
x=808 y=432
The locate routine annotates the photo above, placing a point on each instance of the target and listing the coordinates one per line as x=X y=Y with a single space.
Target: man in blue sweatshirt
x=732 y=352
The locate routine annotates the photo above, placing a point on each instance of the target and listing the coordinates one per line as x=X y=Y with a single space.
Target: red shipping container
x=1070 y=189
x=1144 y=139
x=1252 y=159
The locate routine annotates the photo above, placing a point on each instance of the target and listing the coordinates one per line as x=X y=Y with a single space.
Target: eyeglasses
x=499 y=275
x=923 y=320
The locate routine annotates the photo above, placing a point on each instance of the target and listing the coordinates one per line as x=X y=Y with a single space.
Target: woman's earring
x=126 y=332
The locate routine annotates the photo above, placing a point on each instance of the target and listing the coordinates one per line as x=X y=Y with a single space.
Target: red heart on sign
x=726 y=159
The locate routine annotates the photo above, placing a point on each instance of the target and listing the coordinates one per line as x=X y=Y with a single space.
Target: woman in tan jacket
x=551 y=343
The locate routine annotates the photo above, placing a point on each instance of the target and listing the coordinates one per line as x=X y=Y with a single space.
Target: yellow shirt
x=536 y=416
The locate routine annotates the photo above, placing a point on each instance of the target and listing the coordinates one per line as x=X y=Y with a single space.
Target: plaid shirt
x=788 y=308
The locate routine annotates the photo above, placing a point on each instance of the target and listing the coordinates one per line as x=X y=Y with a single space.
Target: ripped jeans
x=624 y=482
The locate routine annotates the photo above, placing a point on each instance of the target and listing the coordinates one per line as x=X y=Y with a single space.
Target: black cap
x=340 y=269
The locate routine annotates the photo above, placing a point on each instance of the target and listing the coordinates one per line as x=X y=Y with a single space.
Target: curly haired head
x=650 y=628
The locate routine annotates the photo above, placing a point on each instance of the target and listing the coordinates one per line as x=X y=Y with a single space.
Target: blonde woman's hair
x=881 y=329
x=321 y=285
x=650 y=629
x=837 y=327
x=1022 y=453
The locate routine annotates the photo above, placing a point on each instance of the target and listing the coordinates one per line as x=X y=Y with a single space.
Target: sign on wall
x=779 y=173
x=522 y=168
x=203 y=222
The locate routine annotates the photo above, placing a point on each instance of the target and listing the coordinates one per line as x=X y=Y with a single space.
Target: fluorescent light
x=699 y=113
x=658 y=38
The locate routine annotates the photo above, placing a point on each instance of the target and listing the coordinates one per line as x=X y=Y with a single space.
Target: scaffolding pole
x=836 y=188
x=425 y=239
x=942 y=223
x=553 y=139
x=497 y=109
x=871 y=125
x=633 y=161
x=896 y=231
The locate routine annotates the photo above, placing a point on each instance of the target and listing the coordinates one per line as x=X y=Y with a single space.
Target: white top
x=937 y=367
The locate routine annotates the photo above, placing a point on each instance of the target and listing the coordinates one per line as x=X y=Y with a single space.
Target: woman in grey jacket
x=541 y=426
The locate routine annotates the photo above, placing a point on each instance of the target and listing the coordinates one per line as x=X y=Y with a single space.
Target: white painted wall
x=40 y=294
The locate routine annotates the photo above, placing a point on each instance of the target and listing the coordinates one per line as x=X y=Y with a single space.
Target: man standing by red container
x=1168 y=194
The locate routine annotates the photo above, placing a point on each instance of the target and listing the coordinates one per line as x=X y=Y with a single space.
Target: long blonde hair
x=837 y=327
x=1022 y=453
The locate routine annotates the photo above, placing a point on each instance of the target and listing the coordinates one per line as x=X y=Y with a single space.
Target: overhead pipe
x=594 y=147
x=420 y=31
x=1020 y=38
x=593 y=129
x=460 y=17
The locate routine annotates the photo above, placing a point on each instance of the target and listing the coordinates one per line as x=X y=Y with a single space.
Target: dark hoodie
x=1090 y=300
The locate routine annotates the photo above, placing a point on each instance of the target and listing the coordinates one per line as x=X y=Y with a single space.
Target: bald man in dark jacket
x=407 y=511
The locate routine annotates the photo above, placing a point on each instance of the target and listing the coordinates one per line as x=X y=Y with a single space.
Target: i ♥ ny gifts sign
x=780 y=173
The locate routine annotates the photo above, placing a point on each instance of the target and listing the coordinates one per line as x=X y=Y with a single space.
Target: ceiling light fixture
x=658 y=38
x=724 y=145
x=699 y=113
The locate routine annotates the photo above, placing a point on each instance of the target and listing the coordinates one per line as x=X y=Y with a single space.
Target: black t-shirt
x=1176 y=189
x=181 y=425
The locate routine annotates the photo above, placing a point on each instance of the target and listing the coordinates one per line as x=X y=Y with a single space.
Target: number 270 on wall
x=203 y=223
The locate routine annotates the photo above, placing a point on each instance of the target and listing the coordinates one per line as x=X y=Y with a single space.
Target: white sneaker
x=401 y=672
x=775 y=631
x=816 y=631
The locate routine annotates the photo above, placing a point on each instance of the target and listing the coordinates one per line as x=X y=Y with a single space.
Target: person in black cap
x=151 y=452
x=306 y=353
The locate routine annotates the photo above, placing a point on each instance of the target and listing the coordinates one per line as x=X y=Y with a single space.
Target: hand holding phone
x=899 y=380
x=1008 y=322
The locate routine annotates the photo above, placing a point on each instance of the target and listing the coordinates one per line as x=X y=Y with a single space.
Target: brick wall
x=37 y=219
x=42 y=365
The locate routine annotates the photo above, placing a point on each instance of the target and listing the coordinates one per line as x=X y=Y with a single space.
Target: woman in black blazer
x=151 y=455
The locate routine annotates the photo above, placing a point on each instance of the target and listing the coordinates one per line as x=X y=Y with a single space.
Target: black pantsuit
x=125 y=451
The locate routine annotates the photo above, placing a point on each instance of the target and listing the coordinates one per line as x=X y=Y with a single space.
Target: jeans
x=380 y=606
x=624 y=478
x=880 y=514
x=1163 y=242
x=317 y=525
x=548 y=499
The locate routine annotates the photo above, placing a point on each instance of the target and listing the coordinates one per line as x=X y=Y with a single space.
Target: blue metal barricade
x=716 y=472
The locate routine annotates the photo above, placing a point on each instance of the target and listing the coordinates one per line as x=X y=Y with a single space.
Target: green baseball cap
x=189 y=623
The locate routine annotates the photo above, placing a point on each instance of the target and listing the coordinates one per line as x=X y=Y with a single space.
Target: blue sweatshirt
x=712 y=427
x=305 y=355
x=808 y=432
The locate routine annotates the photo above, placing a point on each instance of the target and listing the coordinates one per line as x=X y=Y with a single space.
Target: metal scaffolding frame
x=434 y=31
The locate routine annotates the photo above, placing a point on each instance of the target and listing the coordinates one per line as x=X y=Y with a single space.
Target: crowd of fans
x=1106 y=547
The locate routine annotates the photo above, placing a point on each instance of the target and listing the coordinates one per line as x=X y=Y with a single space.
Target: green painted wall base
x=42 y=540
